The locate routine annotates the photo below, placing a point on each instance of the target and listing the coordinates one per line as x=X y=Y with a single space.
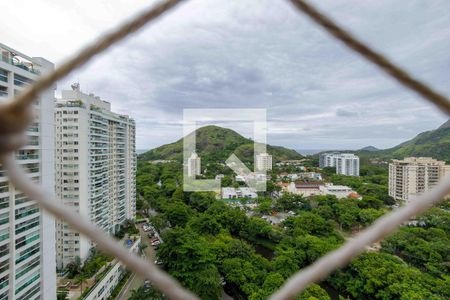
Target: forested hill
x=433 y=143
x=216 y=143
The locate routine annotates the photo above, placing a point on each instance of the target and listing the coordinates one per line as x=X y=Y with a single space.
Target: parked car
x=146 y=284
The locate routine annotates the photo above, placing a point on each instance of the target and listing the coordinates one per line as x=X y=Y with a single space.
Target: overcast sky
x=251 y=54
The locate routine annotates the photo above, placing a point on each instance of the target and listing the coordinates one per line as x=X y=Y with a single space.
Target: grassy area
x=139 y=217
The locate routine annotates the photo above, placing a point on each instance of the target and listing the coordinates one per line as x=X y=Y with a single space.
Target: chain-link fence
x=16 y=115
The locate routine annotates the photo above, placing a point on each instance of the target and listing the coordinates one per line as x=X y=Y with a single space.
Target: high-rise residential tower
x=412 y=176
x=345 y=163
x=194 y=165
x=27 y=234
x=95 y=168
x=263 y=162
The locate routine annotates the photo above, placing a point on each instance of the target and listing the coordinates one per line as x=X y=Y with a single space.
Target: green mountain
x=433 y=143
x=216 y=144
x=370 y=149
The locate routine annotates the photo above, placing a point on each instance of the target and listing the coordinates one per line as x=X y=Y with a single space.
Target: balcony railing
x=27 y=156
x=33 y=129
x=21 y=65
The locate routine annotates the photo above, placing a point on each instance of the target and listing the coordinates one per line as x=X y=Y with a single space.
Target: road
x=135 y=282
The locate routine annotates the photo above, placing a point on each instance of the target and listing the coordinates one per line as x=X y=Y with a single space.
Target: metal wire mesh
x=15 y=117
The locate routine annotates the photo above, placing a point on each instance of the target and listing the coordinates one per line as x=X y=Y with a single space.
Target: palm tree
x=82 y=278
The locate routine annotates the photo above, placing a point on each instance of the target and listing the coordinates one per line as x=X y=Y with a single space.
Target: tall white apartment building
x=27 y=234
x=263 y=162
x=327 y=159
x=95 y=168
x=412 y=176
x=345 y=163
x=194 y=165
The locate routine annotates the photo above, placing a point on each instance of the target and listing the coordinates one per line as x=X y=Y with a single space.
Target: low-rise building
x=162 y=161
x=239 y=178
x=105 y=286
x=340 y=191
x=303 y=175
x=283 y=185
x=245 y=192
x=229 y=193
x=219 y=177
x=252 y=177
x=238 y=193
x=292 y=177
x=293 y=162
x=307 y=189
x=310 y=175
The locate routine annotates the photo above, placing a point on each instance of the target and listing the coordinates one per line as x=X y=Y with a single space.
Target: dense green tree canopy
x=208 y=243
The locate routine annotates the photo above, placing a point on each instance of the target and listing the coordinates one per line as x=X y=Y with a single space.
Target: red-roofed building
x=354 y=196
x=305 y=189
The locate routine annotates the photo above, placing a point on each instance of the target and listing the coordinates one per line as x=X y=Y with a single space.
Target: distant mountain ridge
x=216 y=144
x=369 y=148
x=434 y=143
x=445 y=125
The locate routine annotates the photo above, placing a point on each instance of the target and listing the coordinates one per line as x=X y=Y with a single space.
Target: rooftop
x=15 y=58
x=418 y=160
x=308 y=184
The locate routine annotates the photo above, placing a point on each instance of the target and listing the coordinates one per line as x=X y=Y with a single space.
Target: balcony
x=72 y=103
x=33 y=143
x=3 y=92
x=27 y=156
x=18 y=62
x=33 y=129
